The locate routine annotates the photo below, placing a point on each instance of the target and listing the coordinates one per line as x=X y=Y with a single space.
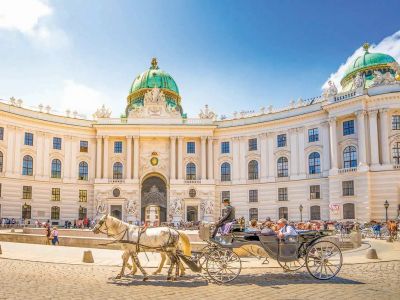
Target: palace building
x=333 y=157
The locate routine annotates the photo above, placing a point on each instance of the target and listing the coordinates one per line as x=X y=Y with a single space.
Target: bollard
x=88 y=257
x=12 y=230
x=371 y=254
x=389 y=240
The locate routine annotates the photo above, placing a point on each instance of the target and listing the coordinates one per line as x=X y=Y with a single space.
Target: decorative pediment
x=155 y=105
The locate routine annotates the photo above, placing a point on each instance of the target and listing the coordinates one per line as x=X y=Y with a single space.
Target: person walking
x=48 y=234
x=54 y=234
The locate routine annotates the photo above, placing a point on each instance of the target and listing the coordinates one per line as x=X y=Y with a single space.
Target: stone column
x=271 y=157
x=210 y=158
x=301 y=157
x=136 y=156
x=203 y=158
x=98 y=157
x=373 y=131
x=326 y=165
x=236 y=160
x=264 y=156
x=333 y=143
x=105 y=157
x=293 y=152
x=180 y=158
x=172 y=147
x=384 y=136
x=10 y=151
x=128 y=157
x=242 y=159
x=362 y=157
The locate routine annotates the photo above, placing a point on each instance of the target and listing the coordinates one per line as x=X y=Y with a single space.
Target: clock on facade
x=154 y=161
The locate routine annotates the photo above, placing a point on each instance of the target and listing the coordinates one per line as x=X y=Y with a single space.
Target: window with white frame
x=396 y=122
x=117 y=147
x=253 y=144
x=396 y=153
x=190 y=147
x=281 y=140
x=348 y=188
x=315 y=192
x=225 y=147
x=253 y=195
x=313 y=135
x=283 y=194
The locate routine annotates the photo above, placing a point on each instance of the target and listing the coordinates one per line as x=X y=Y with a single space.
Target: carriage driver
x=285 y=229
x=227 y=218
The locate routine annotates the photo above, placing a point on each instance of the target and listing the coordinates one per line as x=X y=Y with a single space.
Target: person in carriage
x=225 y=223
x=285 y=229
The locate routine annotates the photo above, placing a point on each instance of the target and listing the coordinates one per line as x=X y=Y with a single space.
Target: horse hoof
x=118 y=277
x=145 y=278
x=155 y=273
x=169 y=278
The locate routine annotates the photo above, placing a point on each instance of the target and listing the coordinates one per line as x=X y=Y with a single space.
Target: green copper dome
x=365 y=65
x=154 y=77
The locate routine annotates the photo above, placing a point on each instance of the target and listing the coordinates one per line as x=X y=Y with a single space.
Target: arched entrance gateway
x=154 y=200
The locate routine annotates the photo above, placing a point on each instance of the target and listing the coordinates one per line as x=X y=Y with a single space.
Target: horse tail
x=184 y=243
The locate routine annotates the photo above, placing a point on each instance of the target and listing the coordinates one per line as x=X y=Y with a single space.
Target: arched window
x=253 y=170
x=55 y=213
x=27 y=165
x=190 y=171
x=350 y=157
x=1 y=161
x=396 y=153
x=82 y=212
x=283 y=167
x=225 y=172
x=26 y=211
x=55 y=168
x=283 y=213
x=315 y=212
x=314 y=163
x=117 y=170
x=348 y=211
x=83 y=170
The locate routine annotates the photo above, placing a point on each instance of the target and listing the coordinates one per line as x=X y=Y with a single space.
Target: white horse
x=183 y=245
x=158 y=239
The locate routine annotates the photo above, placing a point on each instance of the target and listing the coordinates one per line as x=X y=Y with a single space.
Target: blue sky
x=232 y=55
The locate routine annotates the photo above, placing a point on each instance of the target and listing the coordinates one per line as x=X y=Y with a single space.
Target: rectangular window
x=190 y=147
x=57 y=143
x=55 y=194
x=225 y=195
x=26 y=192
x=225 y=147
x=283 y=213
x=315 y=192
x=282 y=194
x=396 y=122
x=253 y=144
x=1 y=133
x=118 y=147
x=83 y=146
x=82 y=195
x=28 y=139
x=313 y=135
x=253 y=214
x=281 y=139
x=348 y=127
x=348 y=188
x=253 y=195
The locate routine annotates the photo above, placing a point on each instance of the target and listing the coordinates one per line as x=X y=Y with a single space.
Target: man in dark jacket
x=227 y=218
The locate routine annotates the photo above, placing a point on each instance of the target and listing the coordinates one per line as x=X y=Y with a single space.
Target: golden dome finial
x=366 y=46
x=154 y=63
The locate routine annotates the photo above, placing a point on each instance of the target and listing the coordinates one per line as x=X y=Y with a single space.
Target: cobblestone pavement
x=37 y=280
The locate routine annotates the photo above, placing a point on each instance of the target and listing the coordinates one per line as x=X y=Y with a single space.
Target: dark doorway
x=154 y=192
x=116 y=211
x=192 y=214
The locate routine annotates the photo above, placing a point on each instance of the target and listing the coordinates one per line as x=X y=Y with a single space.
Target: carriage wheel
x=292 y=266
x=223 y=265
x=324 y=260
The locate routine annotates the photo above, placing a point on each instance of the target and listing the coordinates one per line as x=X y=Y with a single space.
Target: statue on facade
x=101 y=207
x=207 y=113
x=383 y=79
x=102 y=113
x=207 y=206
x=131 y=208
x=331 y=90
x=358 y=81
x=176 y=207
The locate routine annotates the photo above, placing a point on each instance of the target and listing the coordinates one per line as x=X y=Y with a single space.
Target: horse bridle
x=103 y=222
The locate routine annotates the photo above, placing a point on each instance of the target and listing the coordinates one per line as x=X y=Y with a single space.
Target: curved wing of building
x=333 y=157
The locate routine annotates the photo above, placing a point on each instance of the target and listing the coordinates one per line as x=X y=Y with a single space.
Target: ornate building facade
x=335 y=157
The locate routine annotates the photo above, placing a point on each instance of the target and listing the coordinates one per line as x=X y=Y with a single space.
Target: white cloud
x=85 y=100
x=389 y=45
x=30 y=17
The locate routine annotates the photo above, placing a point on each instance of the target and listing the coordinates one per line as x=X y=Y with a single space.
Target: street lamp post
x=301 y=212
x=386 y=205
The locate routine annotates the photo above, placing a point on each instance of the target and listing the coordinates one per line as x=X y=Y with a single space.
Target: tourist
x=54 y=235
x=377 y=230
x=253 y=226
x=48 y=234
x=267 y=230
x=285 y=229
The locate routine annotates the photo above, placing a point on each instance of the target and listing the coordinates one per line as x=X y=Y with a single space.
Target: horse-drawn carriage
x=315 y=250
